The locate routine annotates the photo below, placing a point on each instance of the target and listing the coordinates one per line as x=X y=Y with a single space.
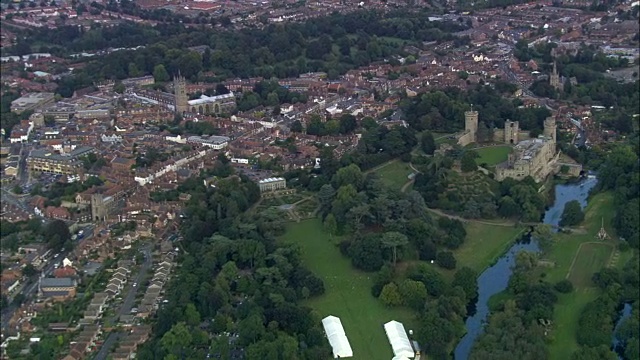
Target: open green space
x=395 y=174
x=590 y=256
x=485 y=244
x=493 y=155
x=348 y=292
x=589 y=259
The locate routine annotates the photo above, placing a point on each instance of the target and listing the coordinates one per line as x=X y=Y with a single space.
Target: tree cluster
x=597 y=320
x=507 y=199
x=436 y=109
x=235 y=279
x=620 y=173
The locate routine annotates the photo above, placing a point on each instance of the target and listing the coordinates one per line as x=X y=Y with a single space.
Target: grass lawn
x=485 y=244
x=395 y=174
x=590 y=258
x=493 y=155
x=348 y=292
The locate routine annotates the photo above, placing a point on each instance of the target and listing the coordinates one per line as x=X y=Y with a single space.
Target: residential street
x=127 y=303
x=29 y=290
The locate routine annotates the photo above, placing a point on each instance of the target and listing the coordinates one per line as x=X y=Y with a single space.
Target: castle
x=530 y=157
x=509 y=135
x=206 y=105
x=534 y=157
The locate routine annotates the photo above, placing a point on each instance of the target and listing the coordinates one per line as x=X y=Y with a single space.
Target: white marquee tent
x=337 y=337
x=399 y=340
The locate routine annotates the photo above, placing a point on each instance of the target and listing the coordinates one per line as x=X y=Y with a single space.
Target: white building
x=337 y=337
x=399 y=340
x=111 y=138
x=214 y=142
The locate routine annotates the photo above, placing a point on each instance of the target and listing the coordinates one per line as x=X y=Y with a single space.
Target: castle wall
x=524 y=135
x=498 y=135
x=466 y=139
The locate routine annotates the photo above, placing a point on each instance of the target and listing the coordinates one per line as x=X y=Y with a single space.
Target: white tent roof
x=399 y=340
x=337 y=338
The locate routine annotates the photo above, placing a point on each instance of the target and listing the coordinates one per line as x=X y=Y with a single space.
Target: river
x=496 y=278
x=624 y=313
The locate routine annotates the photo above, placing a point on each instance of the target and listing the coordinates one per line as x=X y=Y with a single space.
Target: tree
x=29 y=270
x=428 y=143
x=564 y=286
x=466 y=278
x=177 y=341
x=572 y=214
x=446 y=260
x=349 y=175
x=119 y=87
x=468 y=161
x=56 y=234
x=221 y=89
x=598 y=353
x=390 y=296
x=296 y=126
x=330 y=225
x=347 y=124
x=414 y=293
x=544 y=234
x=160 y=74
x=393 y=240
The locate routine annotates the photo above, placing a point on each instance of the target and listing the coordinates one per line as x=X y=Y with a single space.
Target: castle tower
x=511 y=130
x=180 y=91
x=471 y=123
x=550 y=128
x=554 y=78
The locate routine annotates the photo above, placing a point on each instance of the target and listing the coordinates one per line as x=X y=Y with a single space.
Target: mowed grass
x=493 y=155
x=347 y=292
x=395 y=174
x=485 y=244
x=590 y=256
x=589 y=259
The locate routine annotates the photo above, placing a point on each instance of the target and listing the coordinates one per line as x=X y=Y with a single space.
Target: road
x=127 y=304
x=29 y=290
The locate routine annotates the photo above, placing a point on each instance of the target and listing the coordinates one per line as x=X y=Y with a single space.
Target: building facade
x=61 y=164
x=535 y=157
x=272 y=184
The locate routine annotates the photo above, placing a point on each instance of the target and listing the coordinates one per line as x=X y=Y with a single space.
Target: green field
x=493 y=155
x=394 y=174
x=485 y=244
x=348 y=292
x=590 y=258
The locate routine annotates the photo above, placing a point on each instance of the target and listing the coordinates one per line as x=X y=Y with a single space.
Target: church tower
x=554 y=78
x=471 y=123
x=550 y=128
x=180 y=91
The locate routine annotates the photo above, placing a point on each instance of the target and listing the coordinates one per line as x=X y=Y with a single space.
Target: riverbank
x=577 y=257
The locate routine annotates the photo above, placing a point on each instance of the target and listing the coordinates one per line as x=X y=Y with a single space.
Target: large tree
x=56 y=234
x=572 y=214
x=393 y=240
